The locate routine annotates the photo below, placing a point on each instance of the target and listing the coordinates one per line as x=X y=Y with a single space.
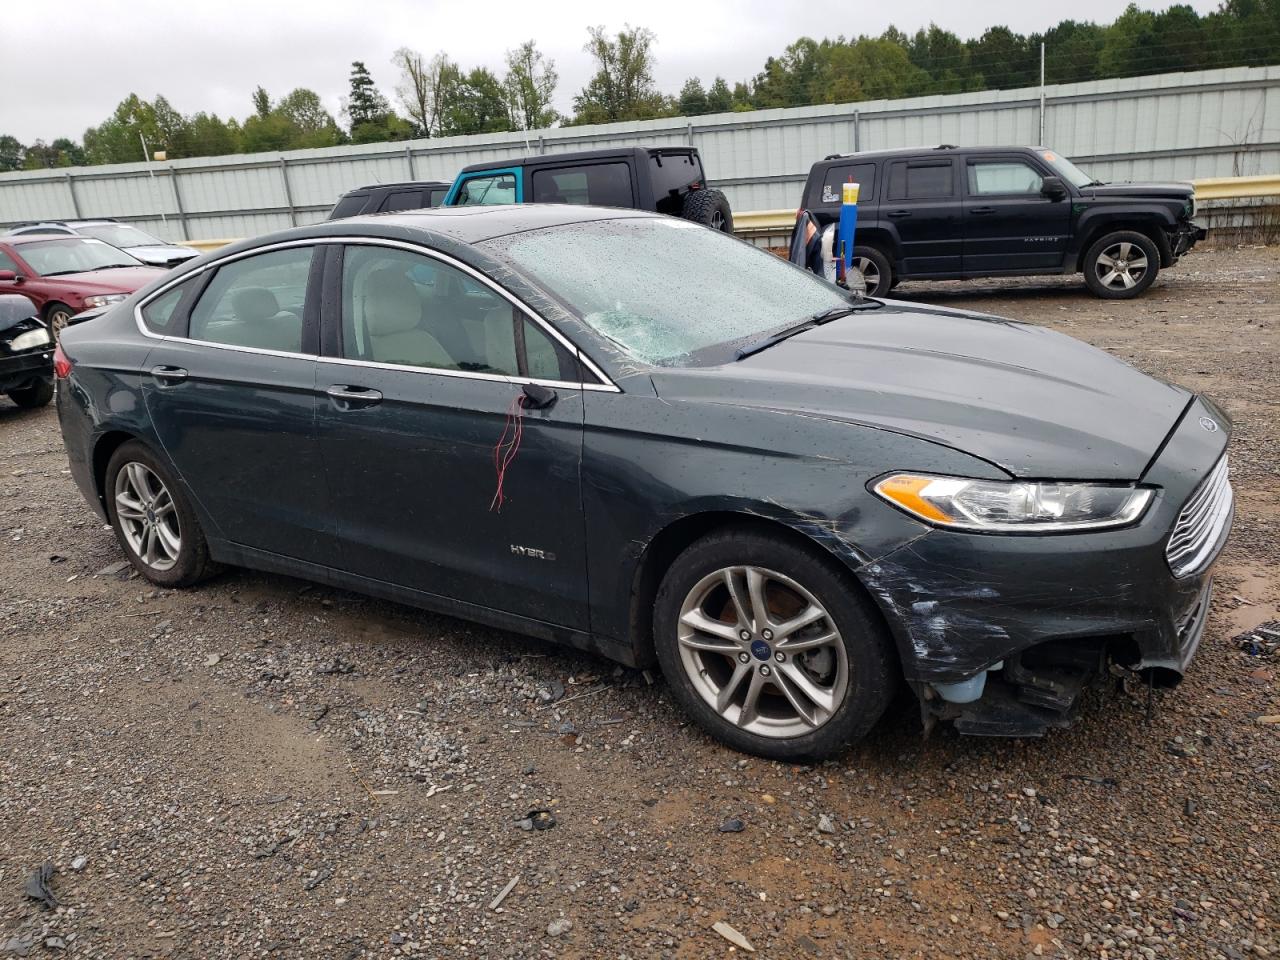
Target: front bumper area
x=23 y=369
x=1047 y=611
x=1186 y=236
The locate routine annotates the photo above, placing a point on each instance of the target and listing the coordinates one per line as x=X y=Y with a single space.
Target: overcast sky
x=65 y=64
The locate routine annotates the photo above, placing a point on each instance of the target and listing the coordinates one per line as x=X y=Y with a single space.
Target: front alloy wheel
x=770 y=645
x=148 y=517
x=762 y=651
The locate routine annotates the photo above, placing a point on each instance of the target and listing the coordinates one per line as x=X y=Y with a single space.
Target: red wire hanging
x=505 y=450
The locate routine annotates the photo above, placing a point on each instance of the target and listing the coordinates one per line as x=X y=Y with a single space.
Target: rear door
x=1008 y=224
x=486 y=188
x=230 y=388
x=441 y=481
x=921 y=202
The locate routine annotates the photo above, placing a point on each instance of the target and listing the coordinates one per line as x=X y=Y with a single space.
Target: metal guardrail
x=769 y=223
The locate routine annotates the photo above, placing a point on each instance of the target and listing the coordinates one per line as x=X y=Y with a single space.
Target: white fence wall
x=1216 y=123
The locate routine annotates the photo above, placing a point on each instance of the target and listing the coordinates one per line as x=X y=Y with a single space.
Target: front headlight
x=997 y=506
x=104 y=300
x=30 y=340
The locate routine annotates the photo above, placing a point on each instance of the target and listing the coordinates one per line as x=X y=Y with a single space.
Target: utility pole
x=146 y=158
x=1041 y=140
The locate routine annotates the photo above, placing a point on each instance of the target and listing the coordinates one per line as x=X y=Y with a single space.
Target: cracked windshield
x=714 y=290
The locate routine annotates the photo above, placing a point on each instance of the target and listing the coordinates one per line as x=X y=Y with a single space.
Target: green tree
x=261 y=102
x=622 y=87
x=209 y=136
x=719 y=97
x=1006 y=60
x=12 y=153
x=477 y=104
x=530 y=86
x=693 y=98
x=365 y=105
x=62 y=152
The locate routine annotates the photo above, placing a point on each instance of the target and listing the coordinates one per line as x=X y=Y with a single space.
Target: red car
x=65 y=275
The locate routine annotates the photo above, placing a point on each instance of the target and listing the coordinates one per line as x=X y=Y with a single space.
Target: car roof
x=26 y=238
x=603 y=154
x=70 y=224
x=944 y=149
x=398 y=185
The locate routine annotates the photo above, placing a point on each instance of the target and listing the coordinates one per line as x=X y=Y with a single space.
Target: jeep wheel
x=875 y=269
x=709 y=208
x=1121 y=265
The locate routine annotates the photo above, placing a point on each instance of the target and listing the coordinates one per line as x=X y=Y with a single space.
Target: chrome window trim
x=605 y=384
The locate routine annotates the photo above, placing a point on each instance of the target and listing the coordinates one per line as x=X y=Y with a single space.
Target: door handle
x=978 y=211
x=168 y=376
x=898 y=214
x=347 y=397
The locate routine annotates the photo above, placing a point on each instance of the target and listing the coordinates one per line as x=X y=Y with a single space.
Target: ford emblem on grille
x=1210 y=425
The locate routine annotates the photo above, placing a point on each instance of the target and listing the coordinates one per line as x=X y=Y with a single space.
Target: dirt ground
x=265 y=768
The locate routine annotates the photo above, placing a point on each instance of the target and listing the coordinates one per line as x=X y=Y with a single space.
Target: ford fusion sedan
x=652 y=441
x=141 y=245
x=67 y=275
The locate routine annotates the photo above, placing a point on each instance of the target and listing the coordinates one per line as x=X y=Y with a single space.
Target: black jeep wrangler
x=666 y=179
x=381 y=197
x=949 y=212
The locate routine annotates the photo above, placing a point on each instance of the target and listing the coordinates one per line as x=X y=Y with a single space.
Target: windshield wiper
x=111 y=266
x=817 y=320
x=59 y=273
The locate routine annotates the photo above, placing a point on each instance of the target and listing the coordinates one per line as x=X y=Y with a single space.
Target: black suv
x=951 y=212
x=26 y=353
x=381 y=197
x=666 y=179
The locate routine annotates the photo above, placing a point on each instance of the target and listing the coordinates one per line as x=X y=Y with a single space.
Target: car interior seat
x=393 y=318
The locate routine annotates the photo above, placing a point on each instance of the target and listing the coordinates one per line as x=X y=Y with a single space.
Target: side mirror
x=8 y=276
x=1053 y=188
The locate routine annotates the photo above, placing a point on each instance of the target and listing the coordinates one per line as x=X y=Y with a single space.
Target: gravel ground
x=266 y=768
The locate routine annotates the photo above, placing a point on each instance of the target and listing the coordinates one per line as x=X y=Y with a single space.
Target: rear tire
x=794 y=669
x=1121 y=265
x=875 y=269
x=36 y=395
x=153 y=519
x=709 y=208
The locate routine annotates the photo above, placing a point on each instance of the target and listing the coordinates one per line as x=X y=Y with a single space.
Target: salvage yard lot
x=262 y=767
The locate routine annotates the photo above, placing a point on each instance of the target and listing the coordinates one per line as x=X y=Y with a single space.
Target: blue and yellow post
x=844 y=233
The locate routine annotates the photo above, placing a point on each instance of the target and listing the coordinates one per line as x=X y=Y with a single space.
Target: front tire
x=153 y=519
x=770 y=648
x=57 y=316
x=35 y=395
x=1121 y=265
x=709 y=208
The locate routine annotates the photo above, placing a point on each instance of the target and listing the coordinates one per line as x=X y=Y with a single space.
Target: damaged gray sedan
x=649 y=440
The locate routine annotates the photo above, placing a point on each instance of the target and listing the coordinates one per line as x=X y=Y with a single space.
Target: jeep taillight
x=61 y=365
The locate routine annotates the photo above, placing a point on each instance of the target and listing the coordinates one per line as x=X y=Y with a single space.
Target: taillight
x=61 y=365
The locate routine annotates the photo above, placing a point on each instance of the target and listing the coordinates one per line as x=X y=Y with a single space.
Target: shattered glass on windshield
x=664 y=289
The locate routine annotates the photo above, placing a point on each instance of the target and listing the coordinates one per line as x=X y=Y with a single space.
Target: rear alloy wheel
x=1121 y=265
x=153 y=520
x=875 y=269
x=57 y=315
x=769 y=648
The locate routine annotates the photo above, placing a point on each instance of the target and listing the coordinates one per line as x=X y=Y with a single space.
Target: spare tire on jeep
x=709 y=208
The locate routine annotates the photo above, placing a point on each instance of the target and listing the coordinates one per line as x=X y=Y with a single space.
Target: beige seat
x=392 y=314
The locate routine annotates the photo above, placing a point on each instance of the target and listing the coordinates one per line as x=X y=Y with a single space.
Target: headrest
x=391 y=303
x=254 y=303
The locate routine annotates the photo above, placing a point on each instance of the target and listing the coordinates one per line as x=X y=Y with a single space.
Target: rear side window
x=349 y=206
x=161 y=314
x=863 y=174
x=403 y=200
x=920 y=181
x=256 y=302
x=599 y=184
x=487 y=189
x=436 y=195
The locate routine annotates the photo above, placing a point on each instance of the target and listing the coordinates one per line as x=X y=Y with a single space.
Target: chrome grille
x=1195 y=536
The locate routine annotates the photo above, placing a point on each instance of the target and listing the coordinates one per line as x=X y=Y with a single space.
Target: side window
x=920 y=181
x=863 y=174
x=256 y=302
x=1003 y=176
x=487 y=189
x=436 y=195
x=161 y=314
x=8 y=263
x=546 y=359
x=601 y=184
x=349 y=206
x=403 y=308
x=403 y=200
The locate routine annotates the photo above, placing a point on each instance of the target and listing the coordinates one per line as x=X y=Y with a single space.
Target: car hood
x=1172 y=190
x=163 y=253
x=1036 y=403
x=115 y=280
